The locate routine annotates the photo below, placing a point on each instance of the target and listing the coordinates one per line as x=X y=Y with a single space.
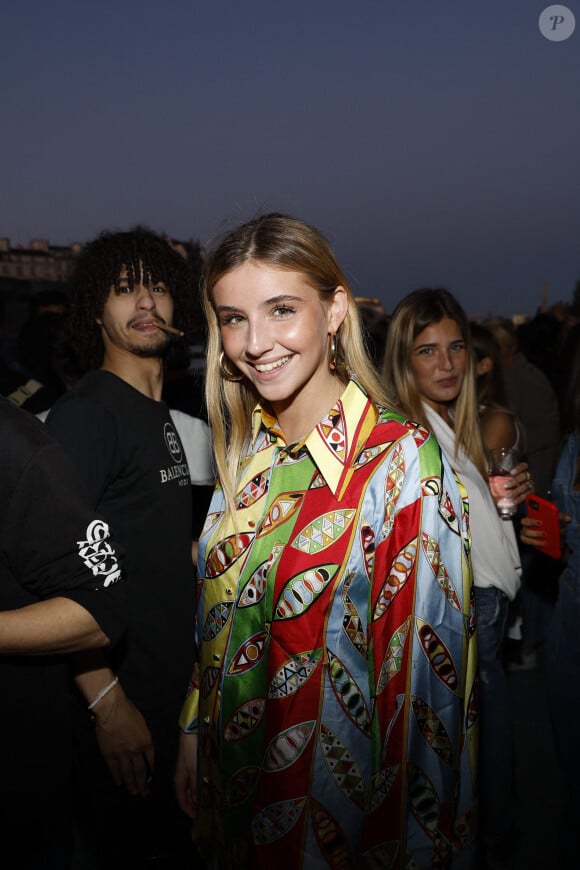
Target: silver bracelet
x=101 y=694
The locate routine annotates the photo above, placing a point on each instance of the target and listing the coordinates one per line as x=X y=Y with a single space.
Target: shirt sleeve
x=189 y=716
x=195 y=437
x=422 y=650
x=56 y=545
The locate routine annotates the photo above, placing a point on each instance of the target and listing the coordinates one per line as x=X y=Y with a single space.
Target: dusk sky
x=434 y=143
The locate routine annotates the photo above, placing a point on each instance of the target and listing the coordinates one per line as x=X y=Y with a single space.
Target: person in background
x=61 y=591
x=429 y=365
x=535 y=405
x=499 y=425
x=32 y=378
x=196 y=439
x=126 y=292
x=330 y=711
x=562 y=660
x=500 y=428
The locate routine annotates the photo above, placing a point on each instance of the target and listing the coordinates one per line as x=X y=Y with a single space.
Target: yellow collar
x=335 y=442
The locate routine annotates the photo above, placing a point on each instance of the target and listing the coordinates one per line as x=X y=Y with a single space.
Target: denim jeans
x=496 y=756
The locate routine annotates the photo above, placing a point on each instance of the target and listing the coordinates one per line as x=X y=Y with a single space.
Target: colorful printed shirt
x=334 y=695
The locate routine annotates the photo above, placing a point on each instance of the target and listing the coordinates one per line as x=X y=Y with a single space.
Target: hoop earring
x=227 y=375
x=332 y=351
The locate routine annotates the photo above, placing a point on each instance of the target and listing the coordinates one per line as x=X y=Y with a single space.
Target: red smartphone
x=546 y=511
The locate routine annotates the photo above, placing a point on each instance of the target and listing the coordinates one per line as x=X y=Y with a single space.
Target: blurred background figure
x=375 y=321
x=535 y=404
x=562 y=661
x=533 y=401
x=499 y=425
x=35 y=373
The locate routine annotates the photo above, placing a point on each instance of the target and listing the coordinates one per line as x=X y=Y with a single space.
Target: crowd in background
x=532 y=368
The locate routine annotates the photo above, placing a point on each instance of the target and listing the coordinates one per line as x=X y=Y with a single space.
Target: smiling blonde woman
x=329 y=717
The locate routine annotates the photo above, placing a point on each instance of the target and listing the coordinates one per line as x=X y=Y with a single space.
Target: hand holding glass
x=502 y=461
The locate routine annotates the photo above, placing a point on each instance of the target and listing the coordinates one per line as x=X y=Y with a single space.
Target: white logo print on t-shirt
x=98 y=554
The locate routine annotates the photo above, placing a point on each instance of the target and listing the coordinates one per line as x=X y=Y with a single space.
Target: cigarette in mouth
x=170 y=329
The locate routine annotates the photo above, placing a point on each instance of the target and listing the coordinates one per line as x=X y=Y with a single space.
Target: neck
x=297 y=422
x=442 y=409
x=142 y=373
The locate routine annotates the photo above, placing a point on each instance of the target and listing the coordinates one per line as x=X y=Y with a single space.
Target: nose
x=259 y=339
x=445 y=361
x=145 y=297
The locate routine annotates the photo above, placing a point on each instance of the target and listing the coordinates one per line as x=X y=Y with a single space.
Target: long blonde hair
x=413 y=314
x=284 y=243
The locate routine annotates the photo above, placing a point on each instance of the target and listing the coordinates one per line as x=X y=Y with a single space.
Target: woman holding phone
x=329 y=717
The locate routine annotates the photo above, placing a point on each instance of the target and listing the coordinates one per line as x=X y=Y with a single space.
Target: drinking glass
x=501 y=462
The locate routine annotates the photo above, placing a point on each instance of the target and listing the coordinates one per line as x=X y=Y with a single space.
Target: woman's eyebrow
x=274 y=300
x=283 y=297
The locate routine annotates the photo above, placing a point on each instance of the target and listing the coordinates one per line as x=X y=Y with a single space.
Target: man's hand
x=125 y=742
x=186 y=774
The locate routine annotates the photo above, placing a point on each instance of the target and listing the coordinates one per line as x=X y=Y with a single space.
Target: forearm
x=91 y=675
x=121 y=730
x=57 y=625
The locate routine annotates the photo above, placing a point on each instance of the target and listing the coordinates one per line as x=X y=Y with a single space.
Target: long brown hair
x=491 y=388
x=413 y=314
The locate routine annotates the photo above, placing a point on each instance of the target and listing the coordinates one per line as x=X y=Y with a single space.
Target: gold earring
x=332 y=351
x=227 y=375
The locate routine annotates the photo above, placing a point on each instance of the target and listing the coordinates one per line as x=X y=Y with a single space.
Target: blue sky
x=433 y=143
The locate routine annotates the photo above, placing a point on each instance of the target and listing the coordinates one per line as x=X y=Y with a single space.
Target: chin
x=151 y=352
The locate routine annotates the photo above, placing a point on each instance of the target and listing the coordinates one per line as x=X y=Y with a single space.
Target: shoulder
x=30 y=457
x=21 y=434
x=498 y=428
x=522 y=371
x=98 y=393
x=187 y=425
x=86 y=416
x=414 y=438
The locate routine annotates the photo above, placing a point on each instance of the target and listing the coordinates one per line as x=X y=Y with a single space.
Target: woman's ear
x=484 y=365
x=337 y=309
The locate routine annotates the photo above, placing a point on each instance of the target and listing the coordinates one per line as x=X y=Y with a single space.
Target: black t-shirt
x=128 y=453
x=51 y=544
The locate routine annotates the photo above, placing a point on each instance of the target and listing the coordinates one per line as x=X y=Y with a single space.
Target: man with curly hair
x=127 y=290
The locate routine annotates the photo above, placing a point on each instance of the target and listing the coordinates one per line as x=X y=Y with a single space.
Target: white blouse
x=494 y=550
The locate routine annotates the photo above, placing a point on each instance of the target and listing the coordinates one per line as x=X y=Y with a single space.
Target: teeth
x=269 y=367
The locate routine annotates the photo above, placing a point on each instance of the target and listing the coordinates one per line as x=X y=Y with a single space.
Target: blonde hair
x=412 y=315
x=284 y=243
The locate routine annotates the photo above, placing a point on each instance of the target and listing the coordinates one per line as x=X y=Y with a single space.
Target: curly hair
x=145 y=256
